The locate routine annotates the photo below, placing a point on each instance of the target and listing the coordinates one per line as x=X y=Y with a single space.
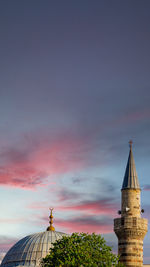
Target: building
x=130 y=228
x=29 y=251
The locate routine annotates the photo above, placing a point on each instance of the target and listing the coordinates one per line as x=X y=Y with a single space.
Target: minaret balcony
x=130 y=226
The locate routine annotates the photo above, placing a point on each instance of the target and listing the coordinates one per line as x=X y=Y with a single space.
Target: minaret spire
x=130 y=178
x=51 y=228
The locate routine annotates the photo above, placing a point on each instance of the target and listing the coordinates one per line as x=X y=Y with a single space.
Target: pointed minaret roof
x=130 y=178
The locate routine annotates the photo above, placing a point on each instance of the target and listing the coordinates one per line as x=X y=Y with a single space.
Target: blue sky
x=74 y=89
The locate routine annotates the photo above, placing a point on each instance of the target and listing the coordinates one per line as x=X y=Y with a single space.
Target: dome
x=31 y=249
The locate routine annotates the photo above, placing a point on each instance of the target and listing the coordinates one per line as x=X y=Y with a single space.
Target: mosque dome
x=31 y=249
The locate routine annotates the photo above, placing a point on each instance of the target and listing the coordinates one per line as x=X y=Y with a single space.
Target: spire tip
x=130 y=144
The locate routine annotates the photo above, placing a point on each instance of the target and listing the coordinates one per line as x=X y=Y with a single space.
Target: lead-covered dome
x=31 y=249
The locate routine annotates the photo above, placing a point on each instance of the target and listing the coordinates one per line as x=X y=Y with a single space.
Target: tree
x=80 y=250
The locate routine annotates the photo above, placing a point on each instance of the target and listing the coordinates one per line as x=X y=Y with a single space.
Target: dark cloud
x=78 y=180
x=65 y=194
x=105 y=206
x=83 y=53
x=87 y=224
x=73 y=189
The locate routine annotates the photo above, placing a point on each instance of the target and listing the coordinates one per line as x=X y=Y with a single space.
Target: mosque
x=130 y=229
x=31 y=249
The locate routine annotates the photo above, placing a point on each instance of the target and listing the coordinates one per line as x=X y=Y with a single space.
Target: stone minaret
x=130 y=228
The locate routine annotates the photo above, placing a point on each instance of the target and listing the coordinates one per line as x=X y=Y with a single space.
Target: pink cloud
x=97 y=207
x=84 y=225
x=33 y=162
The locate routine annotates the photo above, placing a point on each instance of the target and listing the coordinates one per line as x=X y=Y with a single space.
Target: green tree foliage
x=81 y=250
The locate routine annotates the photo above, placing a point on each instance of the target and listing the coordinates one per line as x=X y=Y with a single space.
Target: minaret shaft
x=131 y=203
x=130 y=228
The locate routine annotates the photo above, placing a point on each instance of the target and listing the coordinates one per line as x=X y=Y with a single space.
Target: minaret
x=130 y=228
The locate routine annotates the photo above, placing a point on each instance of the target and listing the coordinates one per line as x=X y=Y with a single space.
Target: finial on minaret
x=130 y=144
x=51 y=228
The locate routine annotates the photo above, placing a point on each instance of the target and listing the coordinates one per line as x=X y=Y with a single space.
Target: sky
x=74 y=89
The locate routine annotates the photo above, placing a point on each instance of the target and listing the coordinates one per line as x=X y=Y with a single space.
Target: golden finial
x=51 y=228
x=130 y=144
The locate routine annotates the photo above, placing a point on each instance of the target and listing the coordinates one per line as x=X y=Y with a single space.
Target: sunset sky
x=74 y=89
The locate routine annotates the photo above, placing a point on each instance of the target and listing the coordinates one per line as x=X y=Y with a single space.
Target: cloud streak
x=36 y=157
x=86 y=223
x=34 y=161
x=97 y=207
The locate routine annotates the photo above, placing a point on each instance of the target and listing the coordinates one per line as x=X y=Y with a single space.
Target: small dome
x=31 y=249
